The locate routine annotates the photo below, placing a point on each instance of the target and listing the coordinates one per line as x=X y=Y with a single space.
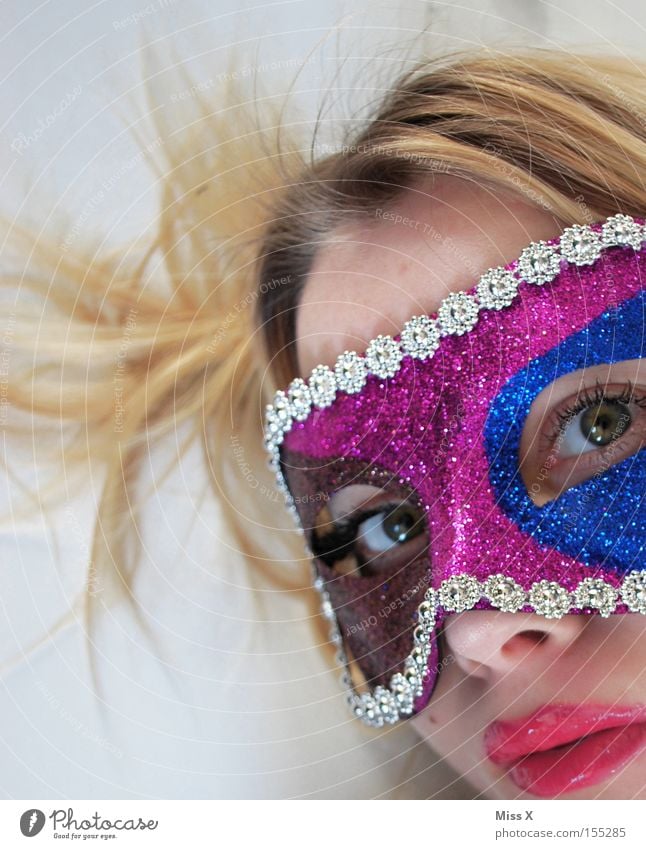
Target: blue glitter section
x=601 y=521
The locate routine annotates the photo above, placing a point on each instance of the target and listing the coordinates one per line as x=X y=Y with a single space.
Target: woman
x=496 y=438
x=444 y=451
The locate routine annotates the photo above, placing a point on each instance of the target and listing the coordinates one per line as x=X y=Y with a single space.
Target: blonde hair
x=199 y=320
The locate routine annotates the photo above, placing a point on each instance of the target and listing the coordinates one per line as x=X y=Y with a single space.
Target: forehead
x=436 y=237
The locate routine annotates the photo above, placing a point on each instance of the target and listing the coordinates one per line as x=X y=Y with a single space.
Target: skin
x=369 y=279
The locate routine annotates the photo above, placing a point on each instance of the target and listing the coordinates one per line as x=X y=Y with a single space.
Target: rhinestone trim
x=387 y=705
x=458 y=313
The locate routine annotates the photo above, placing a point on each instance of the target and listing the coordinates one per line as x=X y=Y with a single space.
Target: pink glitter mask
x=432 y=419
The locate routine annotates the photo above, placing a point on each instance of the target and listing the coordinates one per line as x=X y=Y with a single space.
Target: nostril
x=524 y=641
x=537 y=636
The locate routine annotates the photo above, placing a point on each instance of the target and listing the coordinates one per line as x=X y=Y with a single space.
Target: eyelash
x=585 y=399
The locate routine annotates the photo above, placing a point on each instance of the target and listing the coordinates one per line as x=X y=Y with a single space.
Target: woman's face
x=507 y=678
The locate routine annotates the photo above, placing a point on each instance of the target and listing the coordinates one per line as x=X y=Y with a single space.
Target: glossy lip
x=561 y=748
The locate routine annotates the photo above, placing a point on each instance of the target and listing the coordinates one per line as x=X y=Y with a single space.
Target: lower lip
x=584 y=762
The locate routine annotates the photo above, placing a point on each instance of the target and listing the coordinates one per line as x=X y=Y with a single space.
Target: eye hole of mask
x=378 y=537
x=583 y=435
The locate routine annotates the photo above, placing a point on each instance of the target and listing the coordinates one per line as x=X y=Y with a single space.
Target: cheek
x=448 y=723
x=628 y=632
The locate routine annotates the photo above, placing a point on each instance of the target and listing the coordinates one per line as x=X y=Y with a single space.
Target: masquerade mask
x=431 y=420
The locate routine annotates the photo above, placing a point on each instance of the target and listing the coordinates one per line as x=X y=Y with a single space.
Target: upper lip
x=554 y=725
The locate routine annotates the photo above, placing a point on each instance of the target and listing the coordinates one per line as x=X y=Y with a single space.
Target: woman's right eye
x=371 y=540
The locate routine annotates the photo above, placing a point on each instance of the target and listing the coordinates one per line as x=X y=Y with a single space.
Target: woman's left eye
x=594 y=427
x=585 y=436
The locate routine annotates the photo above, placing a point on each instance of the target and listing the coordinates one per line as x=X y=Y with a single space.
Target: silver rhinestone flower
x=419 y=655
x=596 y=593
x=620 y=230
x=580 y=244
x=403 y=693
x=275 y=427
x=497 y=288
x=421 y=636
x=420 y=337
x=426 y=614
x=431 y=597
x=354 y=703
x=383 y=356
x=335 y=637
x=633 y=591
x=326 y=606
x=550 y=599
x=413 y=676
x=346 y=680
x=371 y=713
x=458 y=313
x=299 y=400
x=504 y=593
x=274 y=462
x=459 y=593
x=386 y=704
x=281 y=408
x=351 y=372
x=322 y=385
x=538 y=263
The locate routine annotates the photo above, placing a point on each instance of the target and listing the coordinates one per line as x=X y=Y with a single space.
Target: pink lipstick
x=561 y=748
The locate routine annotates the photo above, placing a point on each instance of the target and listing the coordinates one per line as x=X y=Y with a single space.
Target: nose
x=487 y=643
